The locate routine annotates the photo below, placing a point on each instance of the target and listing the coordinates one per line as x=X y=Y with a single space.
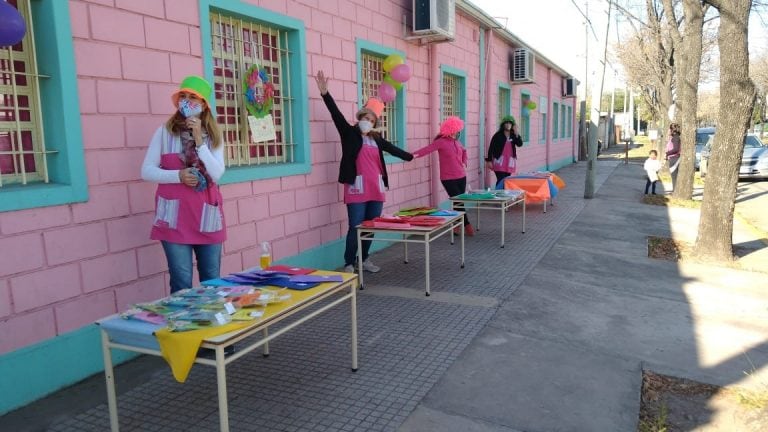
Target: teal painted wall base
x=554 y=166
x=36 y=371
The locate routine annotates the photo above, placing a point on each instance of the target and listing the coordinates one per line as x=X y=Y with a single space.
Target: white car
x=702 y=135
x=754 y=160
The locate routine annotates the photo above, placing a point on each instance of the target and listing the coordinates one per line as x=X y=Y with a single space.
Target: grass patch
x=669 y=201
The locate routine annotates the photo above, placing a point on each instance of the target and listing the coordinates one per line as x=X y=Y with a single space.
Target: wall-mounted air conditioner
x=569 y=86
x=523 y=64
x=434 y=18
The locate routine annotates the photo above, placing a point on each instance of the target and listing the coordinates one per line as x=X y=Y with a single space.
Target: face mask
x=188 y=108
x=365 y=126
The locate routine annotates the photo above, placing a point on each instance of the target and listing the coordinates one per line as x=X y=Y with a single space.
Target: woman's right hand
x=322 y=82
x=187 y=177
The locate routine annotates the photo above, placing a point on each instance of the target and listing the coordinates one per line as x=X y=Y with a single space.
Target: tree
x=759 y=71
x=714 y=240
x=687 y=61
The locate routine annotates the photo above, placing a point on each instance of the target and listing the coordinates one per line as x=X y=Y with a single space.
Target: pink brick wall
x=76 y=263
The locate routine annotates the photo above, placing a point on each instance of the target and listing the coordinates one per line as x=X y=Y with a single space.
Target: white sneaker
x=370 y=267
x=349 y=268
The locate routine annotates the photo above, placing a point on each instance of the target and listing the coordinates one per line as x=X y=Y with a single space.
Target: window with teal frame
x=543 y=132
x=505 y=102
x=525 y=117
x=562 y=121
x=41 y=151
x=370 y=75
x=239 y=38
x=570 y=121
x=453 y=97
x=555 y=122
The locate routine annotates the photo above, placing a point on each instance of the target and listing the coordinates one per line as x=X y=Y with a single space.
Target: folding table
x=411 y=234
x=536 y=189
x=130 y=335
x=501 y=202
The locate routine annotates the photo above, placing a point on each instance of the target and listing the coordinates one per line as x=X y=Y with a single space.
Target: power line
x=586 y=18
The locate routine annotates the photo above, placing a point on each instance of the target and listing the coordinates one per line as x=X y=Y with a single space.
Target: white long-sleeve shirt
x=151 y=170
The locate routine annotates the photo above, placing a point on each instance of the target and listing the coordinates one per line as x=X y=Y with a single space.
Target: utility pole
x=589 y=183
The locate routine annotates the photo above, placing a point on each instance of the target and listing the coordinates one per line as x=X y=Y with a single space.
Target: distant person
x=673 y=151
x=453 y=160
x=652 y=167
x=186 y=158
x=362 y=169
x=502 y=152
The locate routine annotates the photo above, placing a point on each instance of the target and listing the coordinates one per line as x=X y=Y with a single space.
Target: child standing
x=651 y=167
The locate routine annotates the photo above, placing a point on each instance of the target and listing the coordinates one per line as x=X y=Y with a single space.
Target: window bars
x=236 y=46
x=451 y=99
x=23 y=156
x=372 y=76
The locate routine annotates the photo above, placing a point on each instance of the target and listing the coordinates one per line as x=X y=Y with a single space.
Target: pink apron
x=183 y=215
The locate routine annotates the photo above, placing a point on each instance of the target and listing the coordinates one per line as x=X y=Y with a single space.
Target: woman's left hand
x=195 y=124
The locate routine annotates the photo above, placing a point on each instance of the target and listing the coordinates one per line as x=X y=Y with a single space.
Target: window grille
x=23 y=156
x=555 y=122
x=236 y=46
x=451 y=96
x=504 y=103
x=562 y=121
x=372 y=76
x=525 y=118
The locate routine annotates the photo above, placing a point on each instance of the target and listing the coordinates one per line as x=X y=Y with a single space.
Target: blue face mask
x=188 y=108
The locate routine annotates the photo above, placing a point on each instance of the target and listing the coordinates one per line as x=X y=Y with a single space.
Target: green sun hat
x=193 y=84
x=508 y=119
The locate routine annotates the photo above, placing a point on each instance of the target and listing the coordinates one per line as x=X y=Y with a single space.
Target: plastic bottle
x=266 y=256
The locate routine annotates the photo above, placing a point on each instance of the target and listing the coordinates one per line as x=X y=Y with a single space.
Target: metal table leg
x=109 y=374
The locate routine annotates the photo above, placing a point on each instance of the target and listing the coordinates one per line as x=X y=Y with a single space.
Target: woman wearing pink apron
x=502 y=153
x=186 y=159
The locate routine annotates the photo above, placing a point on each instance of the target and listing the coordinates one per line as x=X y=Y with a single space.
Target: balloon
x=531 y=105
x=13 y=28
x=401 y=73
x=386 y=92
x=396 y=85
x=391 y=61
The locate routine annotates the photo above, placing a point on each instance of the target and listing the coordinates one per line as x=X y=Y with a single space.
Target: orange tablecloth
x=536 y=189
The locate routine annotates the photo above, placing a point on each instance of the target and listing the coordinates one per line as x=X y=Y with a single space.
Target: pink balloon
x=387 y=93
x=401 y=73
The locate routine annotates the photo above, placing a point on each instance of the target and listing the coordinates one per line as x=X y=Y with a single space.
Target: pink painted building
x=91 y=81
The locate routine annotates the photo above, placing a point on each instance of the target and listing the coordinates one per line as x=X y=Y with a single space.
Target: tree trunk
x=687 y=67
x=715 y=235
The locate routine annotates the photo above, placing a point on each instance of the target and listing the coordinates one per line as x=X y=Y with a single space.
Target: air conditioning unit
x=523 y=64
x=569 y=86
x=434 y=17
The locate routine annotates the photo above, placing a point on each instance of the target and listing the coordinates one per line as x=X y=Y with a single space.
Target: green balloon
x=391 y=61
x=389 y=80
x=531 y=105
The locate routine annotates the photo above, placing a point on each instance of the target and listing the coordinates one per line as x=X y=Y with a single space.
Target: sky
x=555 y=28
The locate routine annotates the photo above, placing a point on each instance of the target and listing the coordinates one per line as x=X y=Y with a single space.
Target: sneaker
x=469 y=231
x=456 y=230
x=370 y=267
x=349 y=268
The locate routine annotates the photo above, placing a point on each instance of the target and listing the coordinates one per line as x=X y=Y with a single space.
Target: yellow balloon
x=391 y=61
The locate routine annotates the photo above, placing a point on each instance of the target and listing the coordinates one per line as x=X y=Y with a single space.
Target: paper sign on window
x=262 y=129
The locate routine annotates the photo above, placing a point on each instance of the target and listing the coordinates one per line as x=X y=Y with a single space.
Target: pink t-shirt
x=452 y=156
x=369 y=183
x=506 y=163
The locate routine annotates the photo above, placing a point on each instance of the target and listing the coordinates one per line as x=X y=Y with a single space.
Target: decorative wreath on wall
x=259 y=92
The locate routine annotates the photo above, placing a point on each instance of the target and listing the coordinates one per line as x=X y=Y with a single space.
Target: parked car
x=702 y=136
x=754 y=159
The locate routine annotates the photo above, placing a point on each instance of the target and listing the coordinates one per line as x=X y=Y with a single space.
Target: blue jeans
x=179 y=258
x=357 y=213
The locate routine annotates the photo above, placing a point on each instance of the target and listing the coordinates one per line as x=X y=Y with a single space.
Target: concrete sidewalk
x=550 y=333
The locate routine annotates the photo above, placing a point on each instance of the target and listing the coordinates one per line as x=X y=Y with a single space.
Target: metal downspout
x=434 y=122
